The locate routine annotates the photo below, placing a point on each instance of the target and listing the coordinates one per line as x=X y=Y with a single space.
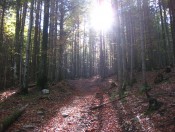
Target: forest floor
x=92 y=105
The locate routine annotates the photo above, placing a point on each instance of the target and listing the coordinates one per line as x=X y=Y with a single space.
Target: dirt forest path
x=66 y=109
x=70 y=108
x=77 y=116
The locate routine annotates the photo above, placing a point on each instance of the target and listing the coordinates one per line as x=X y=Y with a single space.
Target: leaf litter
x=67 y=108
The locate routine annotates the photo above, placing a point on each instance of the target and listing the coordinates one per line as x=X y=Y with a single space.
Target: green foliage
x=154 y=105
x=113 y=95
x=145 y=87
x=132 y=82
x=122 y=90
x=9 y=23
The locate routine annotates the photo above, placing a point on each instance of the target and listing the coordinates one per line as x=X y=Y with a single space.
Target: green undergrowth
x=149 y=112
x=155 y=106
x=113 y=95
x=122 y=89
x=132 y=82
x=145 y=88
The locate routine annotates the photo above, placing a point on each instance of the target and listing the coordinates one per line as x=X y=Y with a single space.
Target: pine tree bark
x=22 y=41
x=142 y=42
x=61 y=41
x=2 y=23
x=36 y=43
x=43 y=78
x=163 y=33
x=17 y=45
x=51 y=41
x=101 y=55
x=2 y=41
x=172 y=20
x=24 y=88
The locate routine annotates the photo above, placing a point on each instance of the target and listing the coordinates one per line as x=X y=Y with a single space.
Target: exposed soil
x=68 y=108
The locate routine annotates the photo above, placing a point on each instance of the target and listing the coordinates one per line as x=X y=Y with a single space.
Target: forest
x=87 y=65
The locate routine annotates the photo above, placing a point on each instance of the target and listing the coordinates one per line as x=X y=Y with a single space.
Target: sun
x=102 y=15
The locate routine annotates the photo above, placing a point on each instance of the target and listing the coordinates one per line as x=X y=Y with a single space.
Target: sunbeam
x=102 y=15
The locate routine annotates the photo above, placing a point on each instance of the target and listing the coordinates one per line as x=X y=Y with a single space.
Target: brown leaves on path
x=67 y=108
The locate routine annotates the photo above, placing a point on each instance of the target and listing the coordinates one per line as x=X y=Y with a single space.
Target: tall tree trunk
x=75 y=57
x=2 y=23
x=24 y=88
x=101 y=55
x=61 y=41
x=2 y=41
x=166 y=27
x=172 y=20
x=78 y=48
x=163 y=33
x=22 y=41
x=131 y=48
x=36 y=43
x=54 y=70
x=142 y=43
x=17 y=47
x=42 y=80
x=51 y=41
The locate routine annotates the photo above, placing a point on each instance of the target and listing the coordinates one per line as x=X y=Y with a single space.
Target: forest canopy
x=45 y=41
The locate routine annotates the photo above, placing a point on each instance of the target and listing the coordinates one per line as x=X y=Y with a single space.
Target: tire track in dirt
x=108 y=121
x=103 y=119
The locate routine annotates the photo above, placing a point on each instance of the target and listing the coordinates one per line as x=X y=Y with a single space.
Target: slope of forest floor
x=92 y=105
